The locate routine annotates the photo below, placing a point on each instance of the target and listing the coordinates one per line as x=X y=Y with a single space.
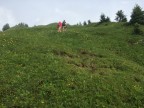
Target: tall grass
x=87 y=67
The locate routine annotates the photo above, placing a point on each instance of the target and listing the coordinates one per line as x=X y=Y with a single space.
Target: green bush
x=137 y=29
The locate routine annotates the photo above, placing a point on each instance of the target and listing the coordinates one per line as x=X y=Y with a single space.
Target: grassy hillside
x=84 y=67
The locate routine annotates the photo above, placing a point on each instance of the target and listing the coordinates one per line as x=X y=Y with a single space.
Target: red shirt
x=60 y=24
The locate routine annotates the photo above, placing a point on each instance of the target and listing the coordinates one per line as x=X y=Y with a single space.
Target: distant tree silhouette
x=6 y=27
x=89 y=22
x=103 y=18
x=84 y=23
x=120 y=17
x=107 y=19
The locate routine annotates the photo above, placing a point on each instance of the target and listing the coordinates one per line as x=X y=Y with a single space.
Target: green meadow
x=93 y=66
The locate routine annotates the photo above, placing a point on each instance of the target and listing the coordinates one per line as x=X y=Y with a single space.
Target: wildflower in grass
x=137 y=87
x=42 y=101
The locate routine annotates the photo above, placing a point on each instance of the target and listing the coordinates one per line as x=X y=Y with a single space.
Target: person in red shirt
x=59 y=26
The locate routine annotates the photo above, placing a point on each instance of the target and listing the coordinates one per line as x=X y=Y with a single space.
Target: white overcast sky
x=43 y=12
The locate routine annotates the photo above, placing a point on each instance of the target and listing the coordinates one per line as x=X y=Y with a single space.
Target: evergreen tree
x=89 y=22
x=6 y=27
x=120 y=17
x=137 y=15
x=103 y=18
x=84 y=23
x=107 y=19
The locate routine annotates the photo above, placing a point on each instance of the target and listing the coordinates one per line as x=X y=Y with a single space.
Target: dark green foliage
x=137 y=29
x=84 y=23
x=21 y=25
x=120 y=17
x=107 y=19
x=6 y=27
x=103 y=18
x=137 y=15
x=89 y=22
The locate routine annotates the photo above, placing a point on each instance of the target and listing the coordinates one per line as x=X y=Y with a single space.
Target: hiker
x=64 y=25
x=59 y=26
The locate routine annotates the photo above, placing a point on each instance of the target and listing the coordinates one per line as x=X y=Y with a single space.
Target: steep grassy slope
x=99 y=66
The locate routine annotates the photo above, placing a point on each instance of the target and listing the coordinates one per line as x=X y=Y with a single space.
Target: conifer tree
x=137 y=15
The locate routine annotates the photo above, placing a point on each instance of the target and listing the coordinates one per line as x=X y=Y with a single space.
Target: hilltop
x=86 y=66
